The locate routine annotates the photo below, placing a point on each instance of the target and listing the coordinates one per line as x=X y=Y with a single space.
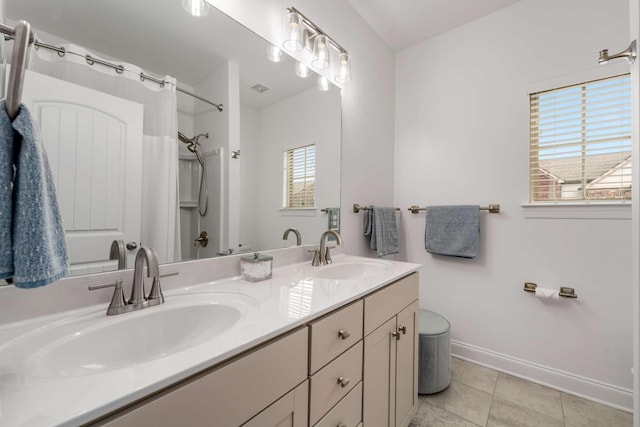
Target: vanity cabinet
x=230 y=395
x=391 y=354
x=354 y=366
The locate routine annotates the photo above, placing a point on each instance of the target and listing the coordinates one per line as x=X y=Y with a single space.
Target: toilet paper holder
x=564 y=291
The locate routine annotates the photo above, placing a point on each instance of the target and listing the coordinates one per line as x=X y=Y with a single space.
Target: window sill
x=298 y=211
x=586 y=210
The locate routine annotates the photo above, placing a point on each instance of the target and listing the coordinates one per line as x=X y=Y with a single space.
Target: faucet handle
x=118 y=302
x=316 y=257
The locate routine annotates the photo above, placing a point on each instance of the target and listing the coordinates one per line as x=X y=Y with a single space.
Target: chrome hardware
x=316 y=258
x=117 y=251
x=325 y=255
x=343 y=381
x=565 y=292
x=342 y=425
x=285 y=236
x=138 y=299
x=396 y=335
x=403 y=329
x=118 y=304
x=344 y=334
x=492 y=208
x=357 y=208
x=203 y=239
x=235 y=154
x=629 y=53
x=132 y=246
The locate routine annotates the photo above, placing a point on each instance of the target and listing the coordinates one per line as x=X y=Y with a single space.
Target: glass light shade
x=323 y=83
x=274 y=54
x=196 y=7
x=344 y=70
x=320 y=53
x=302 y=70
x=293 y=35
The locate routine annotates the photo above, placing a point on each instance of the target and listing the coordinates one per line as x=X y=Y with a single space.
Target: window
x=581 y=142
x=299 y=177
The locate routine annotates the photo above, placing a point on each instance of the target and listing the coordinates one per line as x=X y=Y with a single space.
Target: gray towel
x=6 y=185
x=39 y=253
x=380 y=225
x=452 y=230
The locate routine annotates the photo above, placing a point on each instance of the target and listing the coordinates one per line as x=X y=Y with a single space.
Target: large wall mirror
x=145 y=162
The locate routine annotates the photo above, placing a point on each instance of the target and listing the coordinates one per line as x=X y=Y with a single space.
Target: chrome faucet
x=118 y=252
x=285 y=236
x=323 y=256
x=145 y=256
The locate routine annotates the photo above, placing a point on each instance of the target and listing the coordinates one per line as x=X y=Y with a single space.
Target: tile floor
x=480 y=396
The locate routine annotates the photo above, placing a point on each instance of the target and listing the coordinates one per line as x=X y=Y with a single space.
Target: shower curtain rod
x=119 y=69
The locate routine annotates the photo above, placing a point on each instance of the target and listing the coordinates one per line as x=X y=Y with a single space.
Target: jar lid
x=256 y=257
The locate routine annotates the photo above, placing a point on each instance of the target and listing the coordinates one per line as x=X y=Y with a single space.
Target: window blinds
x=299 y=177
x=580 y=142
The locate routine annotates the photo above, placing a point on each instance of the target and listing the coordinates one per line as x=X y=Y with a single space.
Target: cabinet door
x=379 y=376
x=406 y=365
x=291 y=410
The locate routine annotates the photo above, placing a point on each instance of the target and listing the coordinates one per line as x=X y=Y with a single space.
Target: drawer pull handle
x=342 y=425
x=403 y=330
x=344 y=334
x=343 y=381
x=396 y=335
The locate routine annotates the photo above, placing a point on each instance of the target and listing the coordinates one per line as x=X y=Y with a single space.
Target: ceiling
x=406 y=22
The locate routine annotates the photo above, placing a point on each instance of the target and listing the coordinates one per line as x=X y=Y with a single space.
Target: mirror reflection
x=174 y=131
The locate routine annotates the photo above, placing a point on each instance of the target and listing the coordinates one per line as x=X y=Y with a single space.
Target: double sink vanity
x=332 y=345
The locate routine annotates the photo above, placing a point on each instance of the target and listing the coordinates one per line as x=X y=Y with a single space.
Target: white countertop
x=291 y=298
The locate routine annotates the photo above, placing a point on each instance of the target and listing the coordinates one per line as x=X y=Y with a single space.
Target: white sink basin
x=95 y=344
x=352 y=270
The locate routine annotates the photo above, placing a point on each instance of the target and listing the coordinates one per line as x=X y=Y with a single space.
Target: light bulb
x=323 y=83
x=344 y=70
x=196 y=7
x=302 y=70
x=274 y=54
x=320 y=53
x=293 y=42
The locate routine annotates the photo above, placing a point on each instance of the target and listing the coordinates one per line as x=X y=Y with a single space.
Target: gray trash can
x=434 y=353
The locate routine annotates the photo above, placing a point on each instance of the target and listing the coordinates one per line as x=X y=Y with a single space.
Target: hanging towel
x=39 y=249
x=6 y=184
x=452 y=230
x=381 y=227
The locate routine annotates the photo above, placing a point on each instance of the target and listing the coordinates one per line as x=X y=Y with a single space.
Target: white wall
x=367 y=101
x=249 y=183
x=462 y=138
x=312 y=117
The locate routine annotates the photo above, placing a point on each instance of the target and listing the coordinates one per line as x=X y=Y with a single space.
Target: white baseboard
x=607 y=394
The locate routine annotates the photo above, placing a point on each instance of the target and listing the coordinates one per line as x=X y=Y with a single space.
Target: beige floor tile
x=507 y=414
x=584 y=413
x=431 y=416
x=473 y=375
x=529 y=395
x=466 y=402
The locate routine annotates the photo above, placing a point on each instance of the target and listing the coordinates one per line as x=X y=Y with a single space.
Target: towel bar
x=493 y=208
x=357 y=208
x=564 y=291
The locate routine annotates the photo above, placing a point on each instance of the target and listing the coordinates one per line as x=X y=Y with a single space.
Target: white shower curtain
x=160 y=225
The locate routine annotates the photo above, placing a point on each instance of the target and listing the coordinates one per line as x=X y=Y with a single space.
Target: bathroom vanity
x=326 y=346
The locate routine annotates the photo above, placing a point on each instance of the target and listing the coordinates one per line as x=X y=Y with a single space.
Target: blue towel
x=6 y=185
x=38 y=247
x=380 y=225
x=452 y=230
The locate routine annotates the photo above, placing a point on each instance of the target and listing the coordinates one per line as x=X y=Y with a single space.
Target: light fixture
x=302 y=70
x=274 y=54
x=344 y=68
x=629 y=53
x=301 y=33
x=321 y=59
x=323 y=83
x=196 y=7
x=294 y=35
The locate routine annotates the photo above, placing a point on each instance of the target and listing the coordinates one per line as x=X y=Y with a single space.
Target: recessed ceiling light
x=259 y=88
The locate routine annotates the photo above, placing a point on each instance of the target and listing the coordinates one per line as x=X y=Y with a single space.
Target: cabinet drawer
x=387 y=302
x=347 y=413
x=326 y=389
x=229 y=395
x=333 y=334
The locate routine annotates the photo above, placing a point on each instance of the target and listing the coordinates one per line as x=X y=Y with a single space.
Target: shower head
x=192 y=143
